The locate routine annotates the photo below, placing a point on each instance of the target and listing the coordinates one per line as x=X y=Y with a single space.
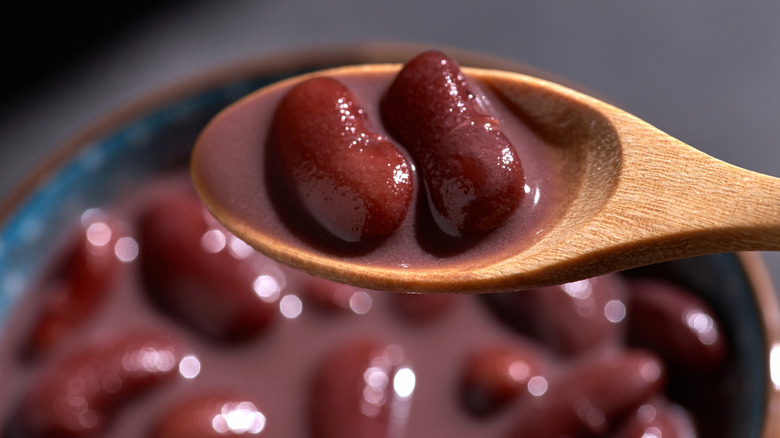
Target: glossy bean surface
x=353 y=181
x=472 y=173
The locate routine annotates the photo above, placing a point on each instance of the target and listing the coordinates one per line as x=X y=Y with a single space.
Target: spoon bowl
x=633 y=196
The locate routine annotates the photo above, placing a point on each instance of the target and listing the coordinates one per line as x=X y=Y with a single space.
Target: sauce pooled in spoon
x=421 y=167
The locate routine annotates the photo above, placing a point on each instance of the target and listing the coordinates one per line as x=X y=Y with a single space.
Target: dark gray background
x=707 y=72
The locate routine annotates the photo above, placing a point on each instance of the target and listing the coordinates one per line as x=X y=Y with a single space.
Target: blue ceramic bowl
x=157 y=133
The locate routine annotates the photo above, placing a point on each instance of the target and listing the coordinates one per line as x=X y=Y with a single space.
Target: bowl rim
x=290 y=59
x=758 y=277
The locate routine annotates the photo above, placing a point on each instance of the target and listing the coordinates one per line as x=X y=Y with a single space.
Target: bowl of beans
x=127 y=310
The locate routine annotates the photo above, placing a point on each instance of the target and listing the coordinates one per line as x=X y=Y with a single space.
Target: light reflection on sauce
x=404 y=382
x=389 y=386
x=149 y=359
x=213 y=241
x=99 y=234
x=582 y=292
x=291 y=306
x=267 y=288
x=615 y=311
x=239 y=249
x=650 y=370
x=702 y=324
x=189 y=367
x=239 y=418
x=537 y=386
x=126 y=249
x=360 y=302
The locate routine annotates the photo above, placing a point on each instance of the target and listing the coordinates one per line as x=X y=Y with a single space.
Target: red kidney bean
x=212 y=416
x=495 y=377
x=355 y=395
x=591 y=397
x=79 y=396
x=572 y=318
x=677 y=324
x=657 y=419
x=77 y=290
x=472 y=172
x=190 y=272
x=352 y=180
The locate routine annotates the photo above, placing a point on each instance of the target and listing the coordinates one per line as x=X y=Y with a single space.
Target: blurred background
x=706 y=73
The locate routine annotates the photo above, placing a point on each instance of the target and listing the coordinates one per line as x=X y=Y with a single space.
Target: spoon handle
x=677 y=195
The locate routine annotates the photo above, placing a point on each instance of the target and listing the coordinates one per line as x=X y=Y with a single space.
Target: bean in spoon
x=631 y=196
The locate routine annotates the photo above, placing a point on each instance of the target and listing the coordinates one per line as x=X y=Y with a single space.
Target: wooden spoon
x=638 y=196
